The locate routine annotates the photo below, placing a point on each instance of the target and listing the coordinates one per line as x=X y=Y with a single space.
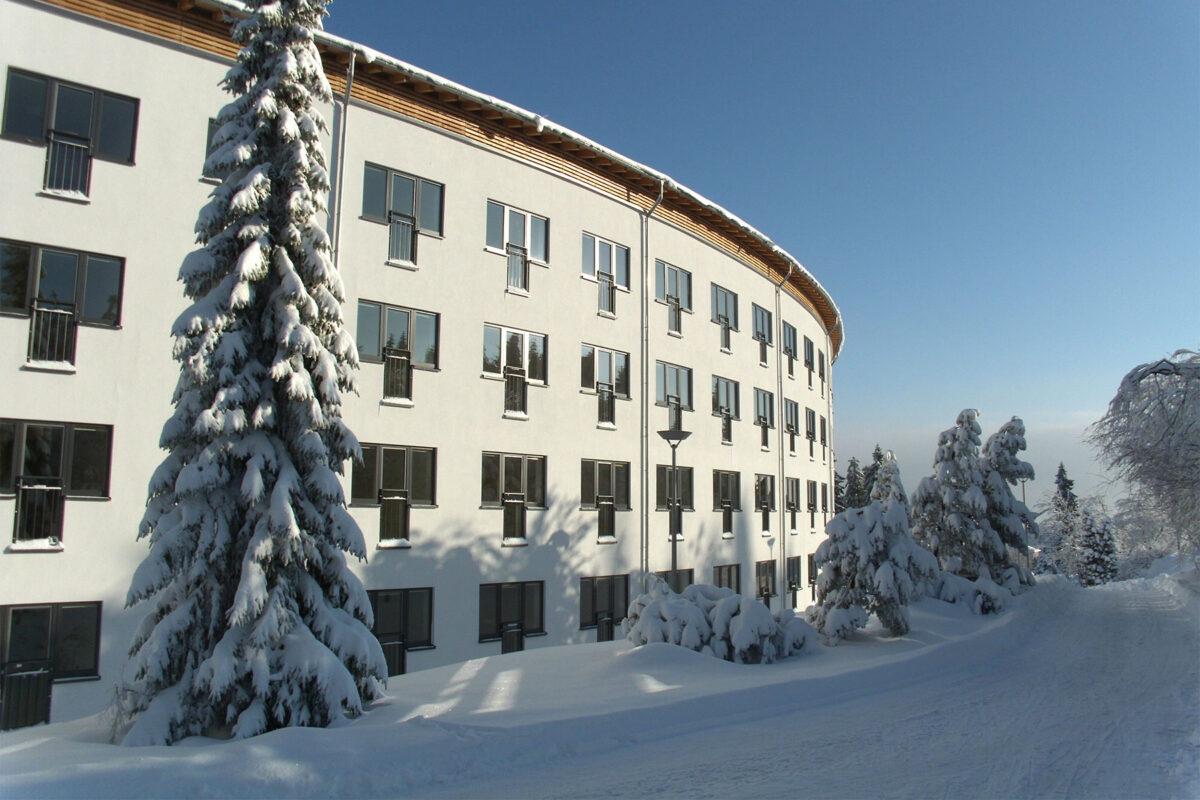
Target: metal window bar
x=68 y=164
x=39 y=509
x=674 y=413
x=607 y=401
x=674 y=314
x=514 y=515
x=766 y=436
x=726 y=516
x=726 y=425
x=607 y=291
x=515 y=390
x=518 y=267
x=725 y=331
x=402 y=237
x=25 y=689
x=393 y=515
x=397 y=373
x=52 y=332
x=762 y=350
x=607 y=516
x=791 y=365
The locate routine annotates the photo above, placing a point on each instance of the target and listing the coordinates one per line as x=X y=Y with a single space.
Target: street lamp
x=673 y=437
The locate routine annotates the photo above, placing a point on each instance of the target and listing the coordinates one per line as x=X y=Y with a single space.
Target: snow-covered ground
x=1072 y=693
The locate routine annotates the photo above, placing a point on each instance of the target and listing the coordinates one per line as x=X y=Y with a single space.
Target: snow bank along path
x=1073 y=693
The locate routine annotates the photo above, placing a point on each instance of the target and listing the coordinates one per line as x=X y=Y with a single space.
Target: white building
x=529 y=307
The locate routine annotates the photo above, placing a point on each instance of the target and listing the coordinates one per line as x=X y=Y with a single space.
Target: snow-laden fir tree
x=1058 y=533
x=839 y=492
x=869 y=473
x=1009 y=517
x=856 y=492
x=950 y=508
x=870 y=565
x=1095 y=550
x=255 y=620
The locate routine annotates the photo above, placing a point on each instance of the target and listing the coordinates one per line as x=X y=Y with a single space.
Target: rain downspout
x=645 y=443
x=781 y=485
x=340 y=163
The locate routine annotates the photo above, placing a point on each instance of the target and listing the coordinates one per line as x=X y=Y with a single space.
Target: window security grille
x=393 y=515
x=607 y=401
x=402 y=237
x=726 y=425
x=725 y=331
x=762 y=423
x=674 y=314
x=762 y=351
x=515 y=390
x=607 y=516
x=674 y=413
x=52 y=332
x=514 y=515
x=726 y=516
x=607 y=292
x=518 y=267
x=68 y=164
x=397 y=374
x=39 y=508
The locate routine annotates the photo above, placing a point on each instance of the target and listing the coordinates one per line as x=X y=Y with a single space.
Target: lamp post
x=673 y=437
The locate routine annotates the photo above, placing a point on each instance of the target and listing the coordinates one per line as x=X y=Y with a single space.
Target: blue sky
x=1003 y=197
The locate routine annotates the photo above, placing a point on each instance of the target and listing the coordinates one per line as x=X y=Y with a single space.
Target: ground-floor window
x=403 y=622
x=603 y=596
x=728 y=576
x=64 y=636
x=510 y=606
x=683 y=578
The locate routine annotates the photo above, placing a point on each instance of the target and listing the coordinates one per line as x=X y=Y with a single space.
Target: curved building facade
x=532 y=311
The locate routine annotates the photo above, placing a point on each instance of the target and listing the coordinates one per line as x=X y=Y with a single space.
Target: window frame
x=506 y=232
x=766 y=570
x=526 y=339
x=721 y=573
x=614 y=466
x=388 y=200
x=434 y=366
x=724 y=477
x=94 y=125
x=686 y=487
x=764 y=399
x=661 y=371
x=526 y=458
x=614 y=249
x=66 y=457
x=734 y=389
x=540 y=631
x=719 y=296
x=769 y=479
x=613 y=358
x=763 y=329
x=619 y=609
x=662 y=270
x=33 y=271
x=687 y=576
x=359 y=500
x=373 y=596
x=54 y=642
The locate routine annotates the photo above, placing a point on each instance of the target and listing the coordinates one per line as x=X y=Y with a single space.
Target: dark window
x=821 y=365
x=403 y=621
x=726 y=489
x=764 y=408
x=605 y=595
x=764 y=492
x=505 y=348
x=604 y=479
x=88 y=285
x=76 y=455
x=512 y=473
x=397 y=328
x=412 y=470
x=66 y=634
x=762 y=324
x=36 y=106
x=663 y=487
x=726 y=397
x=684 y=578
x=673 y=381
x=605 y=260
x=728 y=576
x=598 y=365
x=516 y=603
x=387 y=192
x=673 y=283
x=789 y=348
x=808 y=354
x=825 y=497
x=791 y=422
x=764 y=578
x=724 y=311
x=510 y=226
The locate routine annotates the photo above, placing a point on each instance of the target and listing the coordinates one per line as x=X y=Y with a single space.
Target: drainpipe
x=339 y=163
x=780 y=420
x=644 y=555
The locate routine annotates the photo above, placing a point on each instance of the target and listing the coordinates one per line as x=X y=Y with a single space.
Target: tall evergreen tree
x=1009 y=517
x=256 y=620
x=839 y=493
x=856 y=492
x=1096 y=557
x=920 y=564
x=1059 y=533
x=870 y=471
x=950 y=508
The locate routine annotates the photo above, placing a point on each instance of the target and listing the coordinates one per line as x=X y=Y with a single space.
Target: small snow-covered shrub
x=982 y=595
x=714 y=620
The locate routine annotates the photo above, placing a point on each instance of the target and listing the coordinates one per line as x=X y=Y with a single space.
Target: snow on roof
x=370 y=56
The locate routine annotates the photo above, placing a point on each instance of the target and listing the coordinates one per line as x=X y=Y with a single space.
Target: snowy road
x=1075 y=694
x=1072 y=693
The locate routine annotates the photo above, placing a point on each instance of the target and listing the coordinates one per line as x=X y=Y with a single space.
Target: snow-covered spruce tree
x=870 y=565
x=1096 y=550
x=839 y=492
x=1150 y=436
x=869 y=473
x=256 y=621
x=856 y=492
x=920 y=564
x=1058 y=533
x=1009 y=517
x=950 y=508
